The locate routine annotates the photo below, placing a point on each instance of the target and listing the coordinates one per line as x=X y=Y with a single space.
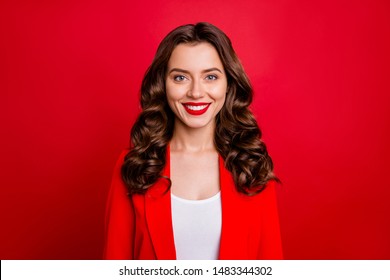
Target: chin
x=196 y=126
x=199 y=124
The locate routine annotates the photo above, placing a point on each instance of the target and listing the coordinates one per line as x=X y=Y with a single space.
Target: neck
x=188 y=139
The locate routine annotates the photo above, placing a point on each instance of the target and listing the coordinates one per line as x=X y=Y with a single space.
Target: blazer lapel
x=235 y=219
x=159 y=216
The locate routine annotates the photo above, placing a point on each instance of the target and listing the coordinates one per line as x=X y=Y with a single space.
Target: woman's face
x=196 y=84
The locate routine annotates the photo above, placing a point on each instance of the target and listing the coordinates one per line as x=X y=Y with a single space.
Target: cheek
x=219 y=92
x=174 y=93
x=171 y=101
x=221 y=97
x=173 y=96
x=221 y=102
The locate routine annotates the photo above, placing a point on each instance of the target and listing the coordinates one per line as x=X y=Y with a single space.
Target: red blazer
x=140 y=226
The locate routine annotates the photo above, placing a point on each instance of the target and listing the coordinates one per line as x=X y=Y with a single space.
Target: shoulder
x=120 y=160
x=122 y=154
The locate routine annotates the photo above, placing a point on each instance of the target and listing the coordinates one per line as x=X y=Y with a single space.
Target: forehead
x=195 y=57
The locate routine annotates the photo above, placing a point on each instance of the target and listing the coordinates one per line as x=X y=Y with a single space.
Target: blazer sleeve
x=119 y=220
x=270 y=243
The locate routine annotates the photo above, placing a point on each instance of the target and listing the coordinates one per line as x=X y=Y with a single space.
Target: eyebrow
x=186 y=71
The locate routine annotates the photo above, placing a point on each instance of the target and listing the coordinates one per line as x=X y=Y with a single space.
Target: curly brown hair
x=237 y=136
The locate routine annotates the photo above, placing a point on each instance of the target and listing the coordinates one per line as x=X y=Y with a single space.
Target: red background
x=69 y=82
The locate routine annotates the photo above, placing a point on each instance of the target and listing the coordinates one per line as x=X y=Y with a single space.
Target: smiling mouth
x=196 y=108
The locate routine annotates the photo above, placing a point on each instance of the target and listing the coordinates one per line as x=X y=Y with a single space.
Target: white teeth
x=196 y=108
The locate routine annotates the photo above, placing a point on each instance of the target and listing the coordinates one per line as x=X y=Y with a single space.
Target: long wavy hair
x=237 y=136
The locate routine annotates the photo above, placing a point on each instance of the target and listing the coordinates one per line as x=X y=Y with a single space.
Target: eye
x=179 y=78
x=211 y=77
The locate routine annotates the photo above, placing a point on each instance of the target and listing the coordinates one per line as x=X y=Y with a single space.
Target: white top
x=197 y=227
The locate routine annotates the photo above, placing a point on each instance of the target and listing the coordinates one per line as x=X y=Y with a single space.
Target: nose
x=195 y=91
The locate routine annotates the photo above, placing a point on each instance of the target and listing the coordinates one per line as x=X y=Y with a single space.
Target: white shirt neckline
x=197 y=201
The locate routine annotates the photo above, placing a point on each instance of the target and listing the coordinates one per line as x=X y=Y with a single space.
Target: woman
x=197 y=181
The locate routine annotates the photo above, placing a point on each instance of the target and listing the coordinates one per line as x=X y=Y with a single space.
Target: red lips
x=195 y=108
